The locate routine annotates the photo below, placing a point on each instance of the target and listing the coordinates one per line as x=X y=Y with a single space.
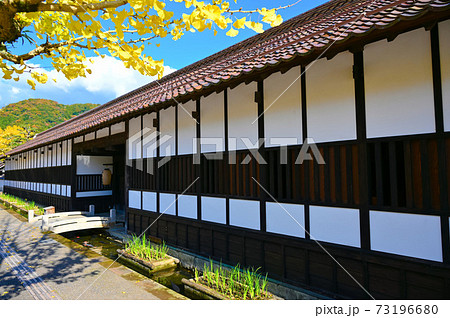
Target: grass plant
x=234 y=283
x=139 y=246
x=23 y=203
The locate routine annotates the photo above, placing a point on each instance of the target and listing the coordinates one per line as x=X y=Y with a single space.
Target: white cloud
x=109 y=79
x=108 y=75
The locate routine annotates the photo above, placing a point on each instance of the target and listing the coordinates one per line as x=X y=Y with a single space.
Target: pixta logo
x=159 y=148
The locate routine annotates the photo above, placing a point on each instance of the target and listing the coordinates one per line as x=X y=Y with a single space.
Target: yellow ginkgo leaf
x=232 y=32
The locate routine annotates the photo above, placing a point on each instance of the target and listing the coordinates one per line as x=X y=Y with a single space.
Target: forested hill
x=38 y=115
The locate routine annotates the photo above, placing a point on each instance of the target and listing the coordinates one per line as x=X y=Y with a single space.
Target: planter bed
x=204 y=292
x=149 y=267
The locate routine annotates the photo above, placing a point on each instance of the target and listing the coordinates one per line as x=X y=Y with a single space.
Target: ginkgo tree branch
x=70 y=8
x=72 y=28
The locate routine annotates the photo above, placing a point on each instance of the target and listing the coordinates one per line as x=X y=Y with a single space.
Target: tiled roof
x=333 y=22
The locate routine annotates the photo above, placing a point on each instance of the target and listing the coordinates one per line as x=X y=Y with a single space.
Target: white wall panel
x=444 y=50
x=69 y=152
x=331 y=99
x=45 y=157
x=167 y=119
x=134 y=143
x=399 y=88
x=54 y=154
x=187 y=206
x=89 y=136
x=335 y=225
x=186 y=128
x=285 y=218
x=104 y=132
x=118 y=128
x=214 y=210
x=406 y=234
x=282 y=107
x=58 y=153
x=134 y=199
x=64 y=153
x=242 y=115
x=150 y=137
x=245 y=213
x=78 y=139
x=167 y=204
x=149 y=201
x=93 y=164
x=212 y=124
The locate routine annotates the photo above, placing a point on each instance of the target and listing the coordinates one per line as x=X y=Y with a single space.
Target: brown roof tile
x=336 y=20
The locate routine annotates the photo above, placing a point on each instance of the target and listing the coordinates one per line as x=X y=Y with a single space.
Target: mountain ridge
x=38 y=114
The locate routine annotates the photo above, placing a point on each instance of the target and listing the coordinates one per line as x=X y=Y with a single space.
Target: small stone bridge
x=72 y=221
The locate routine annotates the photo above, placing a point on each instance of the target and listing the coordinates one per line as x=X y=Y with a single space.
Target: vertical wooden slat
x=408 y=174
x=416 y=166
x=332 y=171
x=393 y=174
x=379 y=175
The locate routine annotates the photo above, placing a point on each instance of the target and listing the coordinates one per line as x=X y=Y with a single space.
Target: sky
x=110 y=79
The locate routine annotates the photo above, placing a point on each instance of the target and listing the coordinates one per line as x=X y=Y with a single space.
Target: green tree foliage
x=37 y=115
x=19 y=122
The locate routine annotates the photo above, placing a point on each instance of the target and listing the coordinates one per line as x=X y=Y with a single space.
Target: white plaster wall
x=186 y=128
x=45 y=157
x=245 y=213
x=399 y=88
x=335 y=225
x=134 y=199
x=214 y=210
x=104 y=132
x=89 y=136
x=93 y=164
x=78 y=139
x=167 y=204
x=212 y=123
x=285 y=218
x=58 y=153
x=134 y=143
x=69 y=152
x=242 y=115
x=167 y=128
x=118 y=128
x=149 y=201
x=444 y=50
x=64 y=153
x=330 y=99
x=282 y=107
x=54 y=154
x=187 y=206
x=150 y=137
x=406 y=234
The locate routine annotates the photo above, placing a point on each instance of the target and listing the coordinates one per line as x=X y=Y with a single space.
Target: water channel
x=100 y=242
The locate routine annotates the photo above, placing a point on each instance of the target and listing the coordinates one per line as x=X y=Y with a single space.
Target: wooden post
x=30 y=216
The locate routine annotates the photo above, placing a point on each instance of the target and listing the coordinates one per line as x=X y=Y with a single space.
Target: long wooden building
x=368 y=81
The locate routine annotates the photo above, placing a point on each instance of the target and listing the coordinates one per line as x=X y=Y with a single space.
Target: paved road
x=38 y=266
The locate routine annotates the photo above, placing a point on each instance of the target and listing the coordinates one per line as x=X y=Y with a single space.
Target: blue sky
x=110 y=79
